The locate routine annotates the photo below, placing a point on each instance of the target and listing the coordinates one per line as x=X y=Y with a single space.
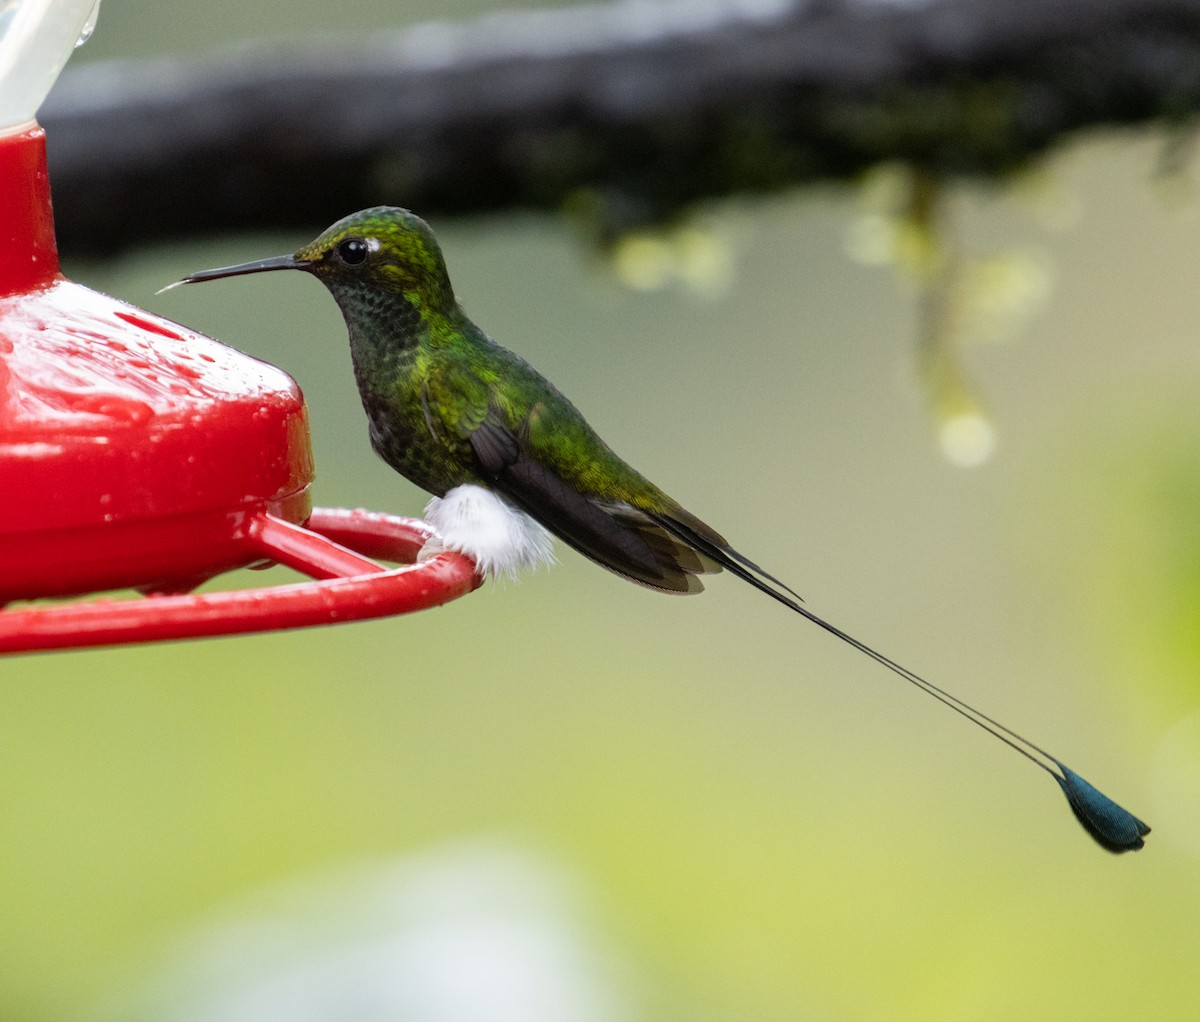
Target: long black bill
x=284 y=262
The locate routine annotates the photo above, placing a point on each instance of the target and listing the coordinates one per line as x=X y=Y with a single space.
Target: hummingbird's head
x=368 y=258
x=385 y=250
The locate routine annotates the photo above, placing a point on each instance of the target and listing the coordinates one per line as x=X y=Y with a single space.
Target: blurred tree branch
x=645 y=107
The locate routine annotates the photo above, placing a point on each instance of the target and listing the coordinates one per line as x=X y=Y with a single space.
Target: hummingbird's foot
x=501 y=540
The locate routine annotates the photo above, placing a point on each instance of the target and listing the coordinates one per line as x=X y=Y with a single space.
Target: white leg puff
x=500 y=539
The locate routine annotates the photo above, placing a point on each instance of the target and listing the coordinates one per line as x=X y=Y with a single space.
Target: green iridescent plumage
x=447 y=405
x=449 y=408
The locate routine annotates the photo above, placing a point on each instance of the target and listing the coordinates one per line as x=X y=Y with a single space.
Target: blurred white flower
x=471 y=932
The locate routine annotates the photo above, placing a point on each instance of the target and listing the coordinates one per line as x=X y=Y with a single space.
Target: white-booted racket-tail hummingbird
x=506 y=455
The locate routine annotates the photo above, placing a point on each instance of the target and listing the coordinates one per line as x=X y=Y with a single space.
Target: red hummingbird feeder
x=138 y=454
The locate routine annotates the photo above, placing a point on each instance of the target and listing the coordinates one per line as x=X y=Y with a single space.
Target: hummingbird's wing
x=614 y=534
x=531 y=445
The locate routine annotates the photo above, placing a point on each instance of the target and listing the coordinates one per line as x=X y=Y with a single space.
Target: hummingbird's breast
x=388 y=372
x=406 y=444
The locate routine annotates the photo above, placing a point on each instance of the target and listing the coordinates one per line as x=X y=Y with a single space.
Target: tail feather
x=693 y=532
x=1110 y=825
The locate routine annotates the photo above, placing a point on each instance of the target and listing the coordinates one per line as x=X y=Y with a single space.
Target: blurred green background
x=723 y=813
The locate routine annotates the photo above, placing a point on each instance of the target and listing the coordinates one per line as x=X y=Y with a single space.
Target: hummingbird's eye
x=353 y=251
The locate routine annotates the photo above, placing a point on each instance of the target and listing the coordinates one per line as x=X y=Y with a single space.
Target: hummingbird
x=509 y=459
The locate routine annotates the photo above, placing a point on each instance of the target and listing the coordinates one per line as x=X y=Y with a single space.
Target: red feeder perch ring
x=355 y=588
x=135 y=453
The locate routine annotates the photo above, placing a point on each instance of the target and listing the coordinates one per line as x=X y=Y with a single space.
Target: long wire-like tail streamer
x=1110 y=825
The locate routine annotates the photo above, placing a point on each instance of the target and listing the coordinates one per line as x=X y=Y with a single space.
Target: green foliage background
x=764 y=825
